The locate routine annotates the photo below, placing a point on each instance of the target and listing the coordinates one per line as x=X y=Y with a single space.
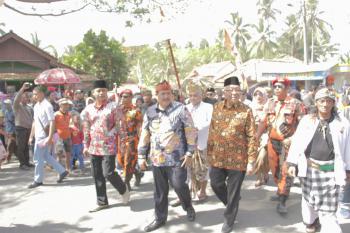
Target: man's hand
x=86 y=152
x=30 y=141
x=250 y=169
x=48 y=141
x=26 y=86
x=187 y=162
x=292 y=171
x=348 y=177
x=143 y=164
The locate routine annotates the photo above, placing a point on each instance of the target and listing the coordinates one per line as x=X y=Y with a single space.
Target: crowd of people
x=204 y=135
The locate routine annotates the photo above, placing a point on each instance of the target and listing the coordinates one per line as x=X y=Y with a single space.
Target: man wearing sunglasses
x=282 y=114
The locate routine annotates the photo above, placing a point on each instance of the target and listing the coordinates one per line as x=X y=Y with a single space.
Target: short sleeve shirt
x=43 y=114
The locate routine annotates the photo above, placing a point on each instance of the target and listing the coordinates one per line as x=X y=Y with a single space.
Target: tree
x=264 y=46
x=240 y=34
x=136 y=10
x=2 y=31
x=345 y=58
x=266 y=11
x=37 y=43
x=290 y=42
x=318 y=28
x=101 y=56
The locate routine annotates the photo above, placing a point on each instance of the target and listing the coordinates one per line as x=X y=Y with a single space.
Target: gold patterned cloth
x=232 y=143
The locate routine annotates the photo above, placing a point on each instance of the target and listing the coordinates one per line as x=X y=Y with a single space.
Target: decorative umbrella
x=57 y=76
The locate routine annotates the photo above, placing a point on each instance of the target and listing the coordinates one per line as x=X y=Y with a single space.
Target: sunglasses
x=279 y=85
x=125 y=96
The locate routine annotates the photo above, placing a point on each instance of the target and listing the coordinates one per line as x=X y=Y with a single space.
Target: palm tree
x=264 y=46
x=240 y=34
x=290 y=42
x=345 y=58
x=266 y=11
x=35 y=39
x=318 y=28
x=2 y=31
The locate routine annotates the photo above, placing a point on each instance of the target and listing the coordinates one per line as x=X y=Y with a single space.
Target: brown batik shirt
x=231 y=142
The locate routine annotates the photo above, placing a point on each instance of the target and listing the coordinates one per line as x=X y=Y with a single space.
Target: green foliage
x=99 y=55
x=2 y=31
x=153 y=64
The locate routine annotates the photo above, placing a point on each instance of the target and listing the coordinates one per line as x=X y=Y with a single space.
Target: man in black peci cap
x=101 y=122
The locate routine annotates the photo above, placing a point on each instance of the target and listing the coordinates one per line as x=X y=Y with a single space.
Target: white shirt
x=340 y=132
x=201 y=115
x=44 y=112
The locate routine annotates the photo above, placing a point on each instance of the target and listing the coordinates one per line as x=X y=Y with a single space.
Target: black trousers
x=102 y=168
x=177 y=177
x=227 y=186
x=22 y=150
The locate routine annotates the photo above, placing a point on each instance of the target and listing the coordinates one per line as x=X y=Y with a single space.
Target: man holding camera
x=23 y=122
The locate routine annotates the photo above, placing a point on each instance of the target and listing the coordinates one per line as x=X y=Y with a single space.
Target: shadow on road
x=44 y=227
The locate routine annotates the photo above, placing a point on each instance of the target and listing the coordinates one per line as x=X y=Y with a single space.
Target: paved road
x=63 y=208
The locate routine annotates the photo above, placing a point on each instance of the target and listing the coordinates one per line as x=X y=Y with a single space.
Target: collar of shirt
x=233 y=106
x=165 y=110
x=101 y=106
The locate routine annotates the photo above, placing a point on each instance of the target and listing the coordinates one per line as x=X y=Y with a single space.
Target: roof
x=53 y=60
x=215 y=70
x=262 y=69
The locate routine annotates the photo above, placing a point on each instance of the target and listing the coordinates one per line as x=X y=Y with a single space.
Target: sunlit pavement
x=57 y=208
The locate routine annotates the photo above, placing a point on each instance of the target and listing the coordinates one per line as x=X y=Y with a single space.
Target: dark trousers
x=22 y=151
x=102 y=168
x=177 y=177
x=227 y=186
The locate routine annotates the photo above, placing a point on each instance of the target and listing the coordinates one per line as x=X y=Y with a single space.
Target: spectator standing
x=23 y=121
x=62 y=120
x=10 y=129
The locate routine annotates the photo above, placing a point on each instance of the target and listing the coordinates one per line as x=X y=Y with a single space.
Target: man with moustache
x=282 y=115
x=320 y=149
x=168 y=131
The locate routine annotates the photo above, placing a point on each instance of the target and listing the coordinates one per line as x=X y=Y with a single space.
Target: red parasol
x=57 y=76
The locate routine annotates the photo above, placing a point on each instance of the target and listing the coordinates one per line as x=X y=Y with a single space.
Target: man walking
x=23 y=121
x=232 y=149
x=320 y=149
x=169 y=132
x=101 y=123
x=43 y=130
x=282 y=115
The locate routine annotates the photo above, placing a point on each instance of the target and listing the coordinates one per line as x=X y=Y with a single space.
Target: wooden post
x=174 y=63
x=172 y=54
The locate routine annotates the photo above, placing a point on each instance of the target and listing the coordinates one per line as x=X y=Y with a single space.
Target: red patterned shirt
x=101 y=126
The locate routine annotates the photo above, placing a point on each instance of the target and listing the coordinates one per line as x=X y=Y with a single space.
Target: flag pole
x=172 y=56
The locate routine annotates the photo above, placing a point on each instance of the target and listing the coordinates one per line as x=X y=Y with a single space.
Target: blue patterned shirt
x=168 y=134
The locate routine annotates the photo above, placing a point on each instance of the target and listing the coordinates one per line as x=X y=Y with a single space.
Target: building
x=21 y=61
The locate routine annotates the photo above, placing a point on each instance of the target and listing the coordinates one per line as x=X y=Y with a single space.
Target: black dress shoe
x=154 y=225
x=98 y=208
x=30 y=165
x=62 y=176
x=226 y=228
x=34 y=185
x=24 y=167
x=191 y=214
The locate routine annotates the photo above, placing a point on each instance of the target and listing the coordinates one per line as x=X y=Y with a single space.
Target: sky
x=201 y=20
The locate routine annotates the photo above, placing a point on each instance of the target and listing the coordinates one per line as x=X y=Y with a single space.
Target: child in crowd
x=77 y=141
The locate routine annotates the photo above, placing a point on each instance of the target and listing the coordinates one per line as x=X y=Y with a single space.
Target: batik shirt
x=231 y=142
x=101 y=126
x=169 y=133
